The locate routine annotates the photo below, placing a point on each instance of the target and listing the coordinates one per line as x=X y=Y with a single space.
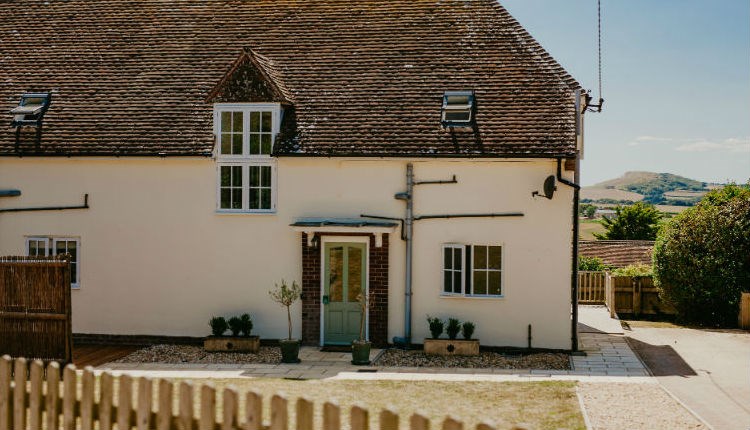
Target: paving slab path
x=707 y=370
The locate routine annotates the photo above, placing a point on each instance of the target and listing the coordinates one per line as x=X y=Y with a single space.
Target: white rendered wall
x=157 y=259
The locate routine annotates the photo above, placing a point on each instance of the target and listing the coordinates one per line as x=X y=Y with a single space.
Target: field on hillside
x=609 y=193
x=587 y=228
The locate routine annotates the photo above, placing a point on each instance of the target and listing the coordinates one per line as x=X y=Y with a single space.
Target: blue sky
x=676 y=82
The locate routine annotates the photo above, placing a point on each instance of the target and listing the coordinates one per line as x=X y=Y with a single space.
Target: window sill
x=229 y=212
x=471 y=296
x=75 y=287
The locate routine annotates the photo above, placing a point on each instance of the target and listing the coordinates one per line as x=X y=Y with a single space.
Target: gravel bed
x=633 y=406
x=176 y=354
x=547 y=361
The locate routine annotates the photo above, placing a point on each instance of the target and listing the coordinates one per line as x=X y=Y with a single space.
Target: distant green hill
x=655 y=188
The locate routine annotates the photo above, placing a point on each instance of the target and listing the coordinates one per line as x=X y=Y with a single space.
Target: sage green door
x=343 y=281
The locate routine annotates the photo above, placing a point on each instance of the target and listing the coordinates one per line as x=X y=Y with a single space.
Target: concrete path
x=708 y=370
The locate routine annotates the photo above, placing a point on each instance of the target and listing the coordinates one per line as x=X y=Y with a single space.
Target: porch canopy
x=310 y=226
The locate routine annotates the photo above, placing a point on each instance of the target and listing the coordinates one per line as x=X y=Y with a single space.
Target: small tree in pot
x=286 y=296
x=361 y=346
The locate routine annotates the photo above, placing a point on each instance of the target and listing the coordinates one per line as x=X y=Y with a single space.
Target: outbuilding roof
x=363 y=78
x=618 y=253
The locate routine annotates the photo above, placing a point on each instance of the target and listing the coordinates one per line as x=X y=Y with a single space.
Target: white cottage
x=402 y=148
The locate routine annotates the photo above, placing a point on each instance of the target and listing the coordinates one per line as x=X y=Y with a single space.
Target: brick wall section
x=378 y=282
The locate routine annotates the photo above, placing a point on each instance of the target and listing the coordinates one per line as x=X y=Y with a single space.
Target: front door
x=344 y=279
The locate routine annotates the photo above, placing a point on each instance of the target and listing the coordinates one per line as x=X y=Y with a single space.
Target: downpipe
x=574 y=264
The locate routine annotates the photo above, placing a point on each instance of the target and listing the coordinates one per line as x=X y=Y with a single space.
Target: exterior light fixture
x=458 y=109
x=30 y=109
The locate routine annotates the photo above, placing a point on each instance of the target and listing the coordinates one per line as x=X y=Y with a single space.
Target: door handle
x=326 y=300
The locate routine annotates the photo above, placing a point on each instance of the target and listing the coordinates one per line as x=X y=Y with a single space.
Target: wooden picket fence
x=37 y=405
x=591 y=287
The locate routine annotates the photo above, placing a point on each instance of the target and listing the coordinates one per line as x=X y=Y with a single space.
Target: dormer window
x=245 y=134
x=30 y=109
x=458 y=109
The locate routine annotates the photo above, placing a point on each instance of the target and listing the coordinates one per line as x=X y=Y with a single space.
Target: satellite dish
x=548 y=189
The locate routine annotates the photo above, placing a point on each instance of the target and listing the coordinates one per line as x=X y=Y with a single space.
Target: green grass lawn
x=587 y=228
x=541 y=405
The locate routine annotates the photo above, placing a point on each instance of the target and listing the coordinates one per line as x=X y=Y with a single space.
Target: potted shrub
x=286 y=296
x=239 y=341
x=361 y=346
x=452 y=345
x=436 y=326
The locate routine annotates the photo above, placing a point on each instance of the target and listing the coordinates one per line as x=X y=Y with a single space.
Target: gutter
x=574 y=264
x=85 y=205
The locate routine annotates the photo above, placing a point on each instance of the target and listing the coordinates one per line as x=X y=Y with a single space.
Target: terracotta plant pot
x=289 y=350
x=361 y=353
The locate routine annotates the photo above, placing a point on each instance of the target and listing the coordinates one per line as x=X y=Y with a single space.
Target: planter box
x=232 y=344
x=451 y=347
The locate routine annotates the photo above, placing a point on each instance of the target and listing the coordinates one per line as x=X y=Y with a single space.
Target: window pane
x=60 y=247
x=494 y=281
x=225 y=176
x=336 y=274
x=226 y=142
x=480 y=282
x=73 y=272
x=254 y=143
x=265 y=198
x=355 y=274
x=457 y=259
x=236 y=198
x=457 y=282
x=254 y=121
x=480 y=257
x=226 y=198
x=265 y=179
x=237 y=176
x=254 y=176
x=237 y=122
x=236 y=144
x=265 y=140
x=266 y=122
x=495 y=257
x=254 y=199
x=447 y=258
x=226 y=122
x=447 y=281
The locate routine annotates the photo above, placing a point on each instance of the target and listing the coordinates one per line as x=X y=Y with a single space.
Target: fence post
x=451 y=423
x=185 y=421
x=331 y=416
x=52 y=413
x=36 y=374
x=359 y=418
x=230 y=409
x=253 y=411
x=145 y=400
x=70 y=382
x=208 y=407
x=124 y=401
x=419 y=422
x=87 y=398
x=164 y=416
x=106 y=393
x=19 y=394
x=388 y=420
x=304 y=414
x=5 y=400
x=279 y=413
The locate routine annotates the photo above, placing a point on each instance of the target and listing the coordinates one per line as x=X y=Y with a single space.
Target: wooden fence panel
x=591 y=287
x=35 y=314
x=744 y=316
x=134 y=410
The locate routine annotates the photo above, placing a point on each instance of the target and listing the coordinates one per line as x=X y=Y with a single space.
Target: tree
x=591 y=264
x=587 y=210
x=639 y=221
x=702 y=258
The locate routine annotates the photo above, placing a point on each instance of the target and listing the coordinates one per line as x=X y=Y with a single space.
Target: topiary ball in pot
x=436 y=326
x=467 y=330
x=247 y=324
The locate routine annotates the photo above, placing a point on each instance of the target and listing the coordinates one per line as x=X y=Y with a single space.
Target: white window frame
x=461 y=248
x=246 y=160
x=50 y=250
x=467 y=290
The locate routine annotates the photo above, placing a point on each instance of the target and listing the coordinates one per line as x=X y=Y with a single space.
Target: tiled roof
x=618 y=253
x=366 y=77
